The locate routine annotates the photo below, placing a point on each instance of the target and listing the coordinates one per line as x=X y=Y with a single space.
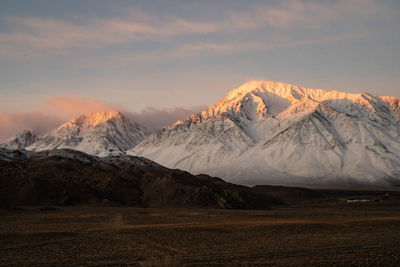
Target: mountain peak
x=21 y=140
x=101 y=117
x=84 y=123
x=25 y=133
x=260 y=85
x=269 y=98
x=284 y=90
x=100 y=133
x=273 y=132
x=257 y=99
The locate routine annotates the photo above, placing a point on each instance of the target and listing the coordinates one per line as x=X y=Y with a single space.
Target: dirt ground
x=314 y=234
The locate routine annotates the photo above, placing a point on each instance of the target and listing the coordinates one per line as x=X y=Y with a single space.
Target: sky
x=163 y=60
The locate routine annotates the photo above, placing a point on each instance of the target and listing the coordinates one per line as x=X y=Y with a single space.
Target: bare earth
x=316 y=233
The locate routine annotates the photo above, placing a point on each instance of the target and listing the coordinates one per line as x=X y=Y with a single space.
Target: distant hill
x=69 y=177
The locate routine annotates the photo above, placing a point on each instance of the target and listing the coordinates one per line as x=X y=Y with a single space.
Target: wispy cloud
x=190 y=50
x=33 y=35
x=281 y=41
x=302 y=13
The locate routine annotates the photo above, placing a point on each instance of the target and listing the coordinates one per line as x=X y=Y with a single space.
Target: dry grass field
x=315 y=233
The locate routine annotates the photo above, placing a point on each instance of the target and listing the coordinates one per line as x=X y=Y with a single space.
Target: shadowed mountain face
x=68 y=177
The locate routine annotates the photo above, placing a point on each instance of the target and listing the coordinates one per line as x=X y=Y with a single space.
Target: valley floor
x=317 y=233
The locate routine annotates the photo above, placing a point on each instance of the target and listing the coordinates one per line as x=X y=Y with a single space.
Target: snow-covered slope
x=98 y=134
x=20 y=141
x=266 y=132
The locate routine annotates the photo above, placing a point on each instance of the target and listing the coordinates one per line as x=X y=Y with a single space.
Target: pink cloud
x=14 y=123
x=57 y=110
x=73 y=106
x=151 y=117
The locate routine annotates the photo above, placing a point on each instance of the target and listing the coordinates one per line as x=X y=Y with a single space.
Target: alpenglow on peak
x=100 y=133
x=266 y=132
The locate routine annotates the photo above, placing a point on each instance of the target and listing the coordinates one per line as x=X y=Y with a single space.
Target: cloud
x=49 y=114
x=73 y=106
x=156 y=118
x=302 y=13
x=66 y=108
x=34 y=35
x=190 y=50
x=57 y=110
x=14 y=123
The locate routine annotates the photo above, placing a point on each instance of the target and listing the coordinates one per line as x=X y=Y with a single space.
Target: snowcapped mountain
x=266 y=132
x=20 y=141
x=98 y=134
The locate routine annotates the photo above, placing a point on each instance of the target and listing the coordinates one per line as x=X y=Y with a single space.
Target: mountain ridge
x=20 y=141
x=262 y=130
x=99 y=133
